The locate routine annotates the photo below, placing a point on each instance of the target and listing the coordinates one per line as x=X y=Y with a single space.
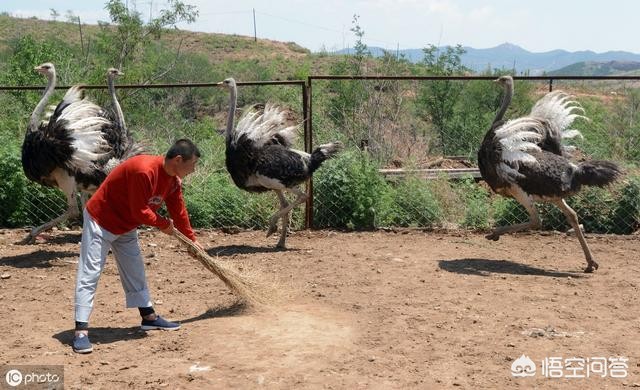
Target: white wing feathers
x=550 y=117
x=85 y=125
x=557 y=109
x=262 y=126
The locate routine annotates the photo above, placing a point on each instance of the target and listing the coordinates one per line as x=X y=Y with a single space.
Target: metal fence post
x=308 y=145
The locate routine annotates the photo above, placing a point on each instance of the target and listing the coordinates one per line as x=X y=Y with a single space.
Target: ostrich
x=112 y=73
x=524 y=159
x=259 y=156
x=117 y=136
x=71 y=149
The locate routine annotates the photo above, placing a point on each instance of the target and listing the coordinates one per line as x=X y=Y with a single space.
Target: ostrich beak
x=220 y=84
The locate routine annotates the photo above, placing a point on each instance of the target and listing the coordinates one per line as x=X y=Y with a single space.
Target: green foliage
x=12 y=187
x=28 y=53
x=122 y=43
x=626 y=215
x=18 y=195
x=346 y=96
x=350 y=193
x=475 y=200
x=216 y=202
x=623 y=126
x=436 y=99
x=597 y=142
x=414 y=204
x=595 y=207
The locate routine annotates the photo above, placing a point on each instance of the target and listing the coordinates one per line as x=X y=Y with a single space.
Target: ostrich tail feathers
x=324 y=152
x=597 y=173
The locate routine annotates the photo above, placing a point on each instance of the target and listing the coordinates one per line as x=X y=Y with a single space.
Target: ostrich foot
x=572 y=232
x=281 y=245
x=591 y=266
x=272 y=229
x=493 y=236
x=30 y=239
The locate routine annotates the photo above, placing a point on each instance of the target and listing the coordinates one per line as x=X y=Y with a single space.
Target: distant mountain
x=592 y=68
x=509 y=56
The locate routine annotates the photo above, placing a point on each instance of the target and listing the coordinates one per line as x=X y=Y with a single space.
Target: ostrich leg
x=572 y=218
x=285 y=220
x=301 y=197
x=68 y=185
x=524 y=199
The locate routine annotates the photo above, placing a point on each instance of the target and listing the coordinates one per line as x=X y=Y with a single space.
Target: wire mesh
x=410 y=157
x=407 y=130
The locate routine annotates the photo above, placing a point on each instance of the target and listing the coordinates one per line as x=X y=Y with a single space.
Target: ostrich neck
x=233 y=100
x=37 y=112
x=116 y=105
x=506 y=100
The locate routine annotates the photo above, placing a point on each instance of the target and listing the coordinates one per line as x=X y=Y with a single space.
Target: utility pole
x=81 y=38
x=255 y=36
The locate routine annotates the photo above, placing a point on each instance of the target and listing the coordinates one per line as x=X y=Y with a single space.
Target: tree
x=131 y=34
x=436 y=99
x=71 y=17
x=54 y=14
x=347 y=96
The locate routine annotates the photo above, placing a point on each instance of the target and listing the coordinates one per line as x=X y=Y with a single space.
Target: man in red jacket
x=129 y=197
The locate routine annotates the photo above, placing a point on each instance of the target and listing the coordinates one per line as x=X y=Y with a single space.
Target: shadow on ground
x=229 y=310
x=230 y=250
x=37 y=259
x=485 y=267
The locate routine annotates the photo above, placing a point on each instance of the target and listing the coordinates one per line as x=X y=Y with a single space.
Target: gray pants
x=96 y=242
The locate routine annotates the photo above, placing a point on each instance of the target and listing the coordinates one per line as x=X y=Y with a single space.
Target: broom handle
x=185 y=240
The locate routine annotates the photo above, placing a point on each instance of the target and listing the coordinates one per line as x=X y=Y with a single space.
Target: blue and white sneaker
x=159 y=323
x=81 y=344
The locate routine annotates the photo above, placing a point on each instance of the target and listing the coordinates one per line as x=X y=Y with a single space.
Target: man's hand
x=169 y=229
x=192 y=252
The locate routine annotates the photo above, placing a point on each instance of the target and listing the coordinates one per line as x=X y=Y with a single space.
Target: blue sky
x=538 y=25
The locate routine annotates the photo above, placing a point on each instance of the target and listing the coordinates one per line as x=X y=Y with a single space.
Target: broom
x=246 y=289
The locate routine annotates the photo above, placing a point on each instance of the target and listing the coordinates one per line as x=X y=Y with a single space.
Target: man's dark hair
x=183 y=147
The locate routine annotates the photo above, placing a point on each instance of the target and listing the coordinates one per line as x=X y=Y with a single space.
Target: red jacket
x=133 y=192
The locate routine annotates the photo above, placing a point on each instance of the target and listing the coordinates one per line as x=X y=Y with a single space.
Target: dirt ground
x=406 y=309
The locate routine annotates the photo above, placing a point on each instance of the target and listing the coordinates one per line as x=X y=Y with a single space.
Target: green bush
x=626 y=215
x=476 y=203
x=414 y=204
x=23 y=202
x=595 y=207
x=216 y=202
x=350 y=193
x=12 y=188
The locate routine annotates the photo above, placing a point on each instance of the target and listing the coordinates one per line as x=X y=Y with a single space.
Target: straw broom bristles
x=245 y=288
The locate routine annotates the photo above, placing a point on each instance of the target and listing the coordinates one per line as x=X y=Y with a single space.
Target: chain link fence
x=421 y=135
x=410 y=157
